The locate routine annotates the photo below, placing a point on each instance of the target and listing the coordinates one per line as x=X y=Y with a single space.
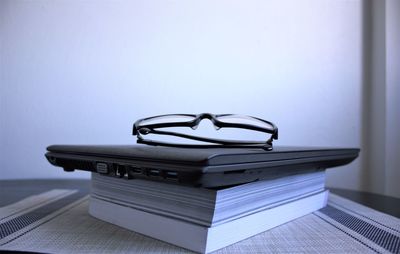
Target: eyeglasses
x=152 y=125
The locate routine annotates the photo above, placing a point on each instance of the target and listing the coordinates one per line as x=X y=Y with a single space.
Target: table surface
x=12 y=191
x=348 y=226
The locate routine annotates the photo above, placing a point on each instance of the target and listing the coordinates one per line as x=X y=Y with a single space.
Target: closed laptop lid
x=203 y=156
x=206 y=167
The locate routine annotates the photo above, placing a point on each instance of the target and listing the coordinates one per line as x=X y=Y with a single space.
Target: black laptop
x=204 y=167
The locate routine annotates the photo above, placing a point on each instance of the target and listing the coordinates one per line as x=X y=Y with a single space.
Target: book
x=205 y=206
x=204 y=220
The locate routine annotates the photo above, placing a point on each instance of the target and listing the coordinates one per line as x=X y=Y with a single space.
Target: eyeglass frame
x=139 y=130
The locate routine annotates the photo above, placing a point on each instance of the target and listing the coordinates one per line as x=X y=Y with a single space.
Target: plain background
x=81 y=72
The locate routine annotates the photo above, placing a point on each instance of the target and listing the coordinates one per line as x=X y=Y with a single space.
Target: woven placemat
x=60 y=223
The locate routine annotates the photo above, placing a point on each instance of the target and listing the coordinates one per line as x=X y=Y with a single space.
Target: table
x=11 y=191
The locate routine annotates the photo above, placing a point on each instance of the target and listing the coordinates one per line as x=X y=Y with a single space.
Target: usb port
x=154 y=172
x=135 y=170
x=171 y=175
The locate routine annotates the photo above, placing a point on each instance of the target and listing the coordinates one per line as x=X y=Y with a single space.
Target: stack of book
x=204 y=219
x=202 y=199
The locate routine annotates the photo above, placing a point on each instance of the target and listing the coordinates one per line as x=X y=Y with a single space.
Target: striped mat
x=57 y=221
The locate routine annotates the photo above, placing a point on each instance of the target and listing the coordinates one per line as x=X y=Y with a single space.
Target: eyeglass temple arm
x=264 y=146
x=145 y=131
x=137 y=127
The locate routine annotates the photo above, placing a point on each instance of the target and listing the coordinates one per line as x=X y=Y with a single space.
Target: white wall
x=81 y=72
x=393 y=98
x=381 y=141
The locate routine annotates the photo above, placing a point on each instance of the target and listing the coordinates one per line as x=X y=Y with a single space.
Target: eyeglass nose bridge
x=205 y=116
x=202 y=116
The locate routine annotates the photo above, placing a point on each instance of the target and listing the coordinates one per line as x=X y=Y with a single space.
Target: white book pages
x=204 y=206
x=201 y=238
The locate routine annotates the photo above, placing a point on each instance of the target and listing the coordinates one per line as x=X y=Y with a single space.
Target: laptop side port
x=120 y=170
x=135 y=170
x=102 y=168
x=171 y=175
x=153 y=172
